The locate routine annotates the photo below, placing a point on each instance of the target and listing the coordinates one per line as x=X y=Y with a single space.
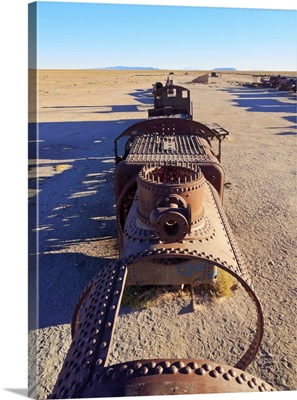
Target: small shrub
x=225 y=284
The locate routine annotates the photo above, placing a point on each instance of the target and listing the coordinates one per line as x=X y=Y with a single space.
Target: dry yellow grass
x=138 y=297
x=225 y=284
x=62 y=167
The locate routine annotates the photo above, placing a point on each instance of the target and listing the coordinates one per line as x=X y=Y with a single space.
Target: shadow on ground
x=72 y=223
x=262 y=100
x=141 y=96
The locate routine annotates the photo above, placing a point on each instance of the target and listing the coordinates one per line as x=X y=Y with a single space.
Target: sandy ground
x=80 y=113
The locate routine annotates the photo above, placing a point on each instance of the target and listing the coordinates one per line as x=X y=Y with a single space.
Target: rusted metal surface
x=218 y=130
x=187 y=215
x=163 y=126
x=182 y=376
x=280 y=82
x=159 y=85
x=148 y=141
x=171 y=100
x=197 y=240
x=169 y=81
x=93 y=333
x=85 y=372
x=172 y=231
x=156 y=85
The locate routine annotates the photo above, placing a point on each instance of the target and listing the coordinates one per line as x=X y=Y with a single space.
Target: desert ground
x=73 y=228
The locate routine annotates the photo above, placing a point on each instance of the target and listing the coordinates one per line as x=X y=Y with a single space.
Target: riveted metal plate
x=172 y=233
x=172 y=376
x=91 y=342
x=219 y=251
x=211 y=240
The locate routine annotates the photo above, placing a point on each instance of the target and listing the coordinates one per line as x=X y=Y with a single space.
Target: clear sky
x=88 y=35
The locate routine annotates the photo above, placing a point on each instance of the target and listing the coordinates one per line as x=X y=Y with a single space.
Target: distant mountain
x=129 y=68
x=224 y=69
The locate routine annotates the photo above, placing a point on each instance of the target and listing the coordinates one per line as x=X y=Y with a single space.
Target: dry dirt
x=80 y=113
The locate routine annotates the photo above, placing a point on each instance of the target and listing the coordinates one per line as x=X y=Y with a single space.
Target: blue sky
x=88 y=35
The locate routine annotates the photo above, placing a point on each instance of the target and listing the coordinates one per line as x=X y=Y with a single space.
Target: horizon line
x=164 y=69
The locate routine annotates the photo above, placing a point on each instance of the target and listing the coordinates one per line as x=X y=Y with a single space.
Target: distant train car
x=172 y=100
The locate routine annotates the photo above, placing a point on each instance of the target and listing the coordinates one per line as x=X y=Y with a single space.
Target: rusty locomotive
x=172 y=230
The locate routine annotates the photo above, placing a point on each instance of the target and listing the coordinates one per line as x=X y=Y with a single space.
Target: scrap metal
x=172 y=230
